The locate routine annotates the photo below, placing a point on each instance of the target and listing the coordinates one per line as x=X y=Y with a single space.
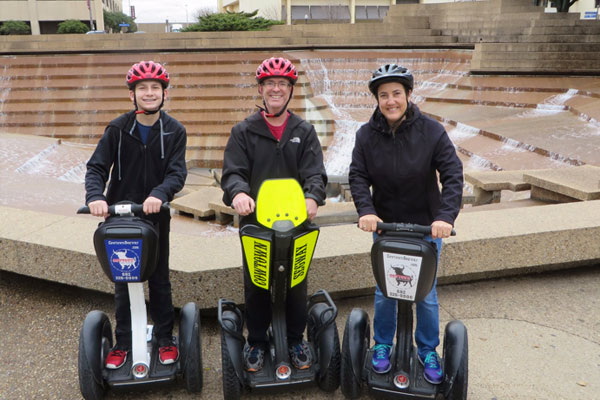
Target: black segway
x=404 y=266
x=127 y=248
x=278 y=254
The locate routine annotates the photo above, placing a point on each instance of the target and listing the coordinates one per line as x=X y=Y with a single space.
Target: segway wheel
x=459 y=387
x=351 y=384
x=191 y=347
x=95 y=341
x=329 y=379
x=232 y=387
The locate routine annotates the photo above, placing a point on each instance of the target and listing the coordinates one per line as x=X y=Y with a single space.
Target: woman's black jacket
x=401 y=169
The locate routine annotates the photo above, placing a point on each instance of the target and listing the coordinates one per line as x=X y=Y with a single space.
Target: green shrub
x=15 y=28
x=72 y=26
x=231 y=22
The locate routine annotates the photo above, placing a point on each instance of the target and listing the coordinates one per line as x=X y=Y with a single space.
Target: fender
x=324 y=340
x=357 y=328
x=231 y=322
x=455 y=341
x=189 y=321
x=95 y=326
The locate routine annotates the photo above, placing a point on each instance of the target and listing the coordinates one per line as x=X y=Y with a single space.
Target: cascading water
x=39 y=163
x=339 y=154
x=346 y=93
x=4 y=87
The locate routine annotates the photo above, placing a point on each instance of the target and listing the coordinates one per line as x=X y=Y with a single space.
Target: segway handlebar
x=123 y=209
x=401 y=227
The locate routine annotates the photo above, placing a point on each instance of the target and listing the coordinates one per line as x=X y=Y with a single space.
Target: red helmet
x=147 y=70
x=273 y=67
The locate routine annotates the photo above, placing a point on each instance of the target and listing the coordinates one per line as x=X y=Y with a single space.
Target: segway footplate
x=123 y=379
x=383 y=386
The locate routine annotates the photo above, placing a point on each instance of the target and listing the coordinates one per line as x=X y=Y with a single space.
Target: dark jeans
x=258 y=311
x=161 y=302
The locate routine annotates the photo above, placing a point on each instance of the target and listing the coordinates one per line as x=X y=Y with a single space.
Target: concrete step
x=408 y=24
x=592 y=29
x=64 y=94
x=103 y=118
x=208 y=142
x=518 y=38
x=183 y=105
x=459 y=8
x=126 y=60
x=548 y=55
x=538 y=47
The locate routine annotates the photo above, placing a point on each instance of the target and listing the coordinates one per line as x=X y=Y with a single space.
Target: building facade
x=299 y=11
x=43 y=16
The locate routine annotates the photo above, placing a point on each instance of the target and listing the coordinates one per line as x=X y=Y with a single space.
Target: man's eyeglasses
x=281 y=85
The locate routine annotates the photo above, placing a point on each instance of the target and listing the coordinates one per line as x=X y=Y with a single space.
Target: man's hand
x=368 y=223
x=99 y=208
x=440 y=229
x=311 y=208
x=243 y=204
x=152 y=205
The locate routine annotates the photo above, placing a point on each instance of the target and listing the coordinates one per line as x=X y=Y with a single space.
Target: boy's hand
x=98 y=208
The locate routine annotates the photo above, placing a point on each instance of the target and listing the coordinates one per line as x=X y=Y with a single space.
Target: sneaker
x=167 y=351
x=254 y=358
x=116 y=357
x=300 y=355
x=433 y=368
x=381 y=358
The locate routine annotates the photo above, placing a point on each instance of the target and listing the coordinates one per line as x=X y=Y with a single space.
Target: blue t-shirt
x=144 y=131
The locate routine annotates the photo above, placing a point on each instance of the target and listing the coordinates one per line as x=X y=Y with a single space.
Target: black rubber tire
x=329 y=379
x=461 y=382
x=192 y=368
x=91 y=383
x=232 y=387
x=351 y=387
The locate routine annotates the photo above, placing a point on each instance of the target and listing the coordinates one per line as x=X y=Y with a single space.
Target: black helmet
x=391 y=73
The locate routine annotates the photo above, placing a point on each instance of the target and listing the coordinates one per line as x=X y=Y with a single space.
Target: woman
x=398 y=154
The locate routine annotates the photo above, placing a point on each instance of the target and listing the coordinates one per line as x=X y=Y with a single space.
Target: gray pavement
x=530 y=337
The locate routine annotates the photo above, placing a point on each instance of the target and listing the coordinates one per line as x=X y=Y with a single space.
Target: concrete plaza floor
x=530 y=337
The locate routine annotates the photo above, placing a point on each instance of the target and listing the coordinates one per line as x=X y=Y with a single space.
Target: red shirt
x=277 y=131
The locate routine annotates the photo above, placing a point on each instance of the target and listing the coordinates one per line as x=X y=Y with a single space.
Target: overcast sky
x=173 y=10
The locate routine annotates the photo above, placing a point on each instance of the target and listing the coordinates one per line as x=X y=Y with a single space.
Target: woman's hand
x=368 y=223
x=440 y=229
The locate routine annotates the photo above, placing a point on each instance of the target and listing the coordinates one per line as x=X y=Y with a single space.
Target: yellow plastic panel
x=258 y=258
x=280 y=200
x=304 y=247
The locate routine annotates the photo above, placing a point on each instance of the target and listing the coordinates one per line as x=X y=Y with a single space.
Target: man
x=144 y=153
x=273 y=143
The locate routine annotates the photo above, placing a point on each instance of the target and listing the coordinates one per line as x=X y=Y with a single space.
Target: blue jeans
x=427 y=333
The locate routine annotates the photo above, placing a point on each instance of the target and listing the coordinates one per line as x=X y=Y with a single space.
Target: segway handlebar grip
x=83 y=210
x=401 y=227
x=117 y=209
